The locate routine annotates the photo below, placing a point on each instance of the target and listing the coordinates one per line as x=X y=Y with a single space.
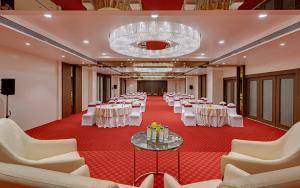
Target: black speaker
x=8 y=86
x=191 y=86
x=115 y=86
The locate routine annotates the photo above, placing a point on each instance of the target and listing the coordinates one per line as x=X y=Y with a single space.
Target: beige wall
x=38 y=88
x=215 y=85
x=176 y=85
x=131 y=85
x=38 y=98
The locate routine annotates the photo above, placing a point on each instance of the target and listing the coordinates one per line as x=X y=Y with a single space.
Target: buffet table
x=210 y=115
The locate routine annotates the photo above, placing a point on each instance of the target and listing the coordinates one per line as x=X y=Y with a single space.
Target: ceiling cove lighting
x=263 y=15
x=134 y=39
x=152 y=69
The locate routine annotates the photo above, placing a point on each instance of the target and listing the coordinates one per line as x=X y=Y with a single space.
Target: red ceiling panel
x=162 y=4
x=250 y=4
x=156 y=45
x=69 y=4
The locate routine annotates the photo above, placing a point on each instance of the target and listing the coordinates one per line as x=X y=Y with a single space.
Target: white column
x=215 y=85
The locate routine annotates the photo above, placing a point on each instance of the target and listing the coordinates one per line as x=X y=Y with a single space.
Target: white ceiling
x=15 y=40
x=70 y=28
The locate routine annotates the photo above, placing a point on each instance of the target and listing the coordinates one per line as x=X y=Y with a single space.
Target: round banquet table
x=112 y=115
x=210 y=115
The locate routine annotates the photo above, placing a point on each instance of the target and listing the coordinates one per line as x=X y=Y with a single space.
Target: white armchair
x=19 y=176
x=18 y=148
x=238 y=178
x=256 y=156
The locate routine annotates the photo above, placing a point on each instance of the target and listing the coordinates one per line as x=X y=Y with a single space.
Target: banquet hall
x=149 y=94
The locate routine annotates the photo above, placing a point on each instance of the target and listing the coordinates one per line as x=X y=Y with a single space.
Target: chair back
x=188 y=108
x=231 y=109
x=111 y=102
x=91 y=108
x=136 y=108
x=222 y=103
x=290 y=140
x=13 y=141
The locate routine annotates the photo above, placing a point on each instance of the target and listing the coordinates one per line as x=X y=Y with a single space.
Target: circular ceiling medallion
x=154 y=39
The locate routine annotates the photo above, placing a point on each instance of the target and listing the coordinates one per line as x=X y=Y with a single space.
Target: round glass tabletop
x=139 y=140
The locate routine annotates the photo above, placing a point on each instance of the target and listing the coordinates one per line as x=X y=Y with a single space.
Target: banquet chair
x=234 y=120
x=177 y=106
x=111 y=102
x=259 y=156
x=135 y=116
x=238 y=178
x=171 y=101
x=143 y=104
x=222 y=103
x=18 y=148
x=19 y=176
x=188 y=117
x=89 y=118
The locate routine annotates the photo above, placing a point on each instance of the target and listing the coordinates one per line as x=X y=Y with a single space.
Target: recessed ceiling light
x=27 y=44
x=263 y=15
x=244 y=57
x=223 y=63
x=282 y=44
x=128 y=59
x=103 y=53
x=154 y=16
x=221 y=41
x=202 y=54
x=48 y=15
x=63 y=56
x=86 y=41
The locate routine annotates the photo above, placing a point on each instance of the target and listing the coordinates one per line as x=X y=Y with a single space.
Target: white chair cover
x=89 y=119
x=189 y=118
x=135 y=117
x=234 y=120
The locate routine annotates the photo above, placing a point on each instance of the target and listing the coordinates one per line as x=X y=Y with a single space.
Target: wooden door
x=67 y=90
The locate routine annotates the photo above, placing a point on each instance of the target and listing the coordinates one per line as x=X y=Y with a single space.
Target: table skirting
x=215 y=115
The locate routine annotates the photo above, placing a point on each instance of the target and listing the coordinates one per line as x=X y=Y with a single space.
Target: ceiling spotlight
x=223 y=63
x=202 y=54
x=244 y=57
x=63 y=56
x=263 y=15
x=48 y=15
x=221 y=41
x=282 y=44
x=128 y=59
x=103 y=54
x=27 y=44
x=154 y=16
x=86 y=41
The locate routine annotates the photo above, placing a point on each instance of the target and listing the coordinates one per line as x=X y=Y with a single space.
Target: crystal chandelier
x=132 y=39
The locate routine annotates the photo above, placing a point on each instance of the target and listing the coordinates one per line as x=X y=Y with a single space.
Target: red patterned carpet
x=109 y=154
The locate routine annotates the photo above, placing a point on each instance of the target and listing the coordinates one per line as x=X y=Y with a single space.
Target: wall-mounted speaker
x=191 y=87
x=115 y=87
x=8 y=86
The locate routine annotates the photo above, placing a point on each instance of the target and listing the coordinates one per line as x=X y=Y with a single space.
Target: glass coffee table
x=139 y=142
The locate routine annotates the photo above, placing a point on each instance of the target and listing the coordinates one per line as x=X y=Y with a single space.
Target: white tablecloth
x=210 y=115
x=112 y=115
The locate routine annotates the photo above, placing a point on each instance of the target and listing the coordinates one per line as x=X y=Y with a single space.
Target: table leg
x=134 y=166
x=156 y=162
x=178 y=165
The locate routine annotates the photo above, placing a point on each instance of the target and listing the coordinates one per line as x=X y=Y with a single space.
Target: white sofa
x=237 y=178
x=19 y=176
x=258 y=156
x=18 y=148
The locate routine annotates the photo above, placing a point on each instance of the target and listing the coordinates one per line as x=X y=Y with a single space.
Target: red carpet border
x=109 y=154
